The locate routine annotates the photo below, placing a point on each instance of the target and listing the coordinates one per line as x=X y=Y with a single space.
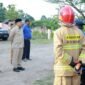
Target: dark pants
x=26 y=53
x=83 y=78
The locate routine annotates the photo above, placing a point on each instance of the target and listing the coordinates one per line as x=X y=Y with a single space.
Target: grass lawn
x=41 y=41
x=48 y=80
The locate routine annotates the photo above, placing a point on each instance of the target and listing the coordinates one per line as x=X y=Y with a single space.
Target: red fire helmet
x=67 y=15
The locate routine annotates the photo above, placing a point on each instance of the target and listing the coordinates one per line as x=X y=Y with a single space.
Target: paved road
x=41 y=64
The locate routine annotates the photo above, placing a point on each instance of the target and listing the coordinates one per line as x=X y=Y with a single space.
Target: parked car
x=4 y=34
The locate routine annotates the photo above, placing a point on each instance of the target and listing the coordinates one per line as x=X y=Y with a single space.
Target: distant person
x=17 y=44
x=27 y=37
x=6 y=26
x=79 y=23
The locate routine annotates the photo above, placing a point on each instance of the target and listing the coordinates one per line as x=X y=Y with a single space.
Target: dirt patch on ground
x=41 y=64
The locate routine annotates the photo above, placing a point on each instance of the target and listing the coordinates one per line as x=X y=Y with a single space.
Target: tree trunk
x=49 y=34
x=74 y=6
x=78 y=10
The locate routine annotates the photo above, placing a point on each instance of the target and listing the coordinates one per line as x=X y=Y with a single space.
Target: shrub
x=39 y=35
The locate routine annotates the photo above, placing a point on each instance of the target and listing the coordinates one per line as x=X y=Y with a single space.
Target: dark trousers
x=26 y=53
x=83 y=78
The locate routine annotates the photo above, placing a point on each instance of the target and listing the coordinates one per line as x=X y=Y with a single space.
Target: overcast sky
x=35 y=8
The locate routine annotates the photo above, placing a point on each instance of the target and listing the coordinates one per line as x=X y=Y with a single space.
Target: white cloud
x=36 y=8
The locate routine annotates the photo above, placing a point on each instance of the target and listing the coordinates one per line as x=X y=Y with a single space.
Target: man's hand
x=78 y=65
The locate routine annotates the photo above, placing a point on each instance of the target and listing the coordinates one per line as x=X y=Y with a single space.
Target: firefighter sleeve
x=59 y=53
x=82 y=53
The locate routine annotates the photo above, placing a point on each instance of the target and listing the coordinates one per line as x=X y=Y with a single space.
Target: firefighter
x=69 y=49
x=79 y=23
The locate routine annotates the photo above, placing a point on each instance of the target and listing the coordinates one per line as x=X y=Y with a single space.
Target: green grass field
x=41 y=41
x=48 y=80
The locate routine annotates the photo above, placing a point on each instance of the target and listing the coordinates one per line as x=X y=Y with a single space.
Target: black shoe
x=29 y=59
x=21 y=68
x=25 y=60
x=16 y=70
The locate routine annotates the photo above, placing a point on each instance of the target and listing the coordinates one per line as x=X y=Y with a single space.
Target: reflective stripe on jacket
x=68 y=43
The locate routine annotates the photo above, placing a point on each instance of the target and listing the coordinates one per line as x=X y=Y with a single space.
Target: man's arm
x=11 y=35
x=31 y=32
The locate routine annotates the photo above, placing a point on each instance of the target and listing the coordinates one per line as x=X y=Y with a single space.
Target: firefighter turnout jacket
x=69 y=42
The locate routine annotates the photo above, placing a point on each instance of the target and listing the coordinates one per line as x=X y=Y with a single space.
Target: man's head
x=27 y=21
x=18 y=22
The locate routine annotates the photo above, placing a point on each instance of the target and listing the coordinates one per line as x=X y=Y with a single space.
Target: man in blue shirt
x=27 y=37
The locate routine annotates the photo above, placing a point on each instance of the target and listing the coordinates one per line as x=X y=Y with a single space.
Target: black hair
x=18 y=20
x=6 y=22
x=27 y=20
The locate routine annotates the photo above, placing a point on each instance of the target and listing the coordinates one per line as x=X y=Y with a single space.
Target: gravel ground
x=39 y=67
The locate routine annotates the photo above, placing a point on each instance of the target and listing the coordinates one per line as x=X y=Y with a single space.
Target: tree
x=48 y=23
x=21 y=14
x=43 y=17
x=78 y=5
x=11 y=12
x=37 y=23
x=52 y=24
x=27 y=16
x=2 y=12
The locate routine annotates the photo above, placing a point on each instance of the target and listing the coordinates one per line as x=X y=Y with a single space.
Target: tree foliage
x=49 y=23
x=21 y=14
x=11 y=13
x=78 y=5
x=27 y=16
x=2 y=12
x=43 y=17
x=24 y=16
